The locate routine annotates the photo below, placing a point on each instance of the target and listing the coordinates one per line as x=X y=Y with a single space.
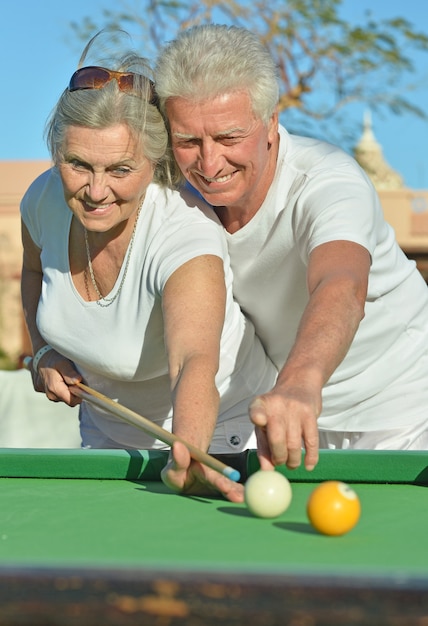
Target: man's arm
x=286 y=417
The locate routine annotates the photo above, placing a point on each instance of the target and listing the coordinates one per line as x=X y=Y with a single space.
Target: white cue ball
x=267 y=493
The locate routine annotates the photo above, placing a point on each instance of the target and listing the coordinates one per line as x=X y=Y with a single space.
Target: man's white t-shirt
x=119 y=349
x=320 y=194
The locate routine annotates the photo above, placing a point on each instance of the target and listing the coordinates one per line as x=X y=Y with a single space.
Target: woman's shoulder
x=43 y=205
x=46 y=186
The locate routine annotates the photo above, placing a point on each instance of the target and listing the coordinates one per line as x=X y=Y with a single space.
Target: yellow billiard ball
x=267 y=493
x=333 y=508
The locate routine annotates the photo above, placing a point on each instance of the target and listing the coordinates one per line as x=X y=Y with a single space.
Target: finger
x=257 y=412
x=278 y=442
x=258 y=416
x=311 y=444
x=221 y=485
x=263 y=451
x=70 y=375
x=74 y=400
x=294 y=457
x=180 y=457
x=271 y=436
x=232 y=491
x=174 y=474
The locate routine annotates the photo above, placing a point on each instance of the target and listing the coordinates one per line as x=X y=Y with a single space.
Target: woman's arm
x=31 y=286
x=194 y=308
x=55 y=372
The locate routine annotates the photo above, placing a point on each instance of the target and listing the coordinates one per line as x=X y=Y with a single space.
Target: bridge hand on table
x=189 y=477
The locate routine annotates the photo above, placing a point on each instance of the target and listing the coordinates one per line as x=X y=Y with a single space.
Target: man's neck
x=234 y=218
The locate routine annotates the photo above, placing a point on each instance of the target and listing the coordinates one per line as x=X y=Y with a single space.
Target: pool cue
x=127 y=415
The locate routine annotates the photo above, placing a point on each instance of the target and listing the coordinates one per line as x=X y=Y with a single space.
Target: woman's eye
x=77 y=165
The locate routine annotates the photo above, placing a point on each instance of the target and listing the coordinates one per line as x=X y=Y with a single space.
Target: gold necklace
x=102 y=301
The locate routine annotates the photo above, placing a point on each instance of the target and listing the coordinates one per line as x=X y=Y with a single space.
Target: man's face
x=223 y=150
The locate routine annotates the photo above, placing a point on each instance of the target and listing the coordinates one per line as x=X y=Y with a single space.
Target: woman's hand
x=54 y=376
x=184 y=475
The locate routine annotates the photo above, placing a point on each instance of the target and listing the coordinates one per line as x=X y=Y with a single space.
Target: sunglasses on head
x=95 y=77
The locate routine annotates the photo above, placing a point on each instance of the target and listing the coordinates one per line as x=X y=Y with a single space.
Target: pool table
x=94 y=537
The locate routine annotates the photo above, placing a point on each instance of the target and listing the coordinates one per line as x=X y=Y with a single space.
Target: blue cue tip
x=231 y=473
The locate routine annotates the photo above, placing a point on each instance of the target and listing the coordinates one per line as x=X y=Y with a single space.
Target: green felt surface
x=118 y=523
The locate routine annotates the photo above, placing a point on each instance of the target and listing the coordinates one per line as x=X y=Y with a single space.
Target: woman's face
x=105 y=175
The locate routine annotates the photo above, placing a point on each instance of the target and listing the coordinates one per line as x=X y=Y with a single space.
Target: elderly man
x=339 y=308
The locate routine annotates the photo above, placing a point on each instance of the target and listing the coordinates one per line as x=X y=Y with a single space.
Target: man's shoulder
x=310 y=153
x=307 y=141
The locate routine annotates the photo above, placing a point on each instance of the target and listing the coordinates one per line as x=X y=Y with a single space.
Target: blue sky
x=36 y=43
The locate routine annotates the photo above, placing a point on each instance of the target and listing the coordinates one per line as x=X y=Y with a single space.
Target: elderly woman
x=126 y=282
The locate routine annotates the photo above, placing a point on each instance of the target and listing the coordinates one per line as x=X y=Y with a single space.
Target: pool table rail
x=352 y=466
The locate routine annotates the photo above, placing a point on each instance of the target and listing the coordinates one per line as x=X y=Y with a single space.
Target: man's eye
x=185 y=143
x=228 y=140
x=120 y=171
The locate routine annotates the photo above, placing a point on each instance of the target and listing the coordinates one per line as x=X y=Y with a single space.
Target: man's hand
x=284 y=425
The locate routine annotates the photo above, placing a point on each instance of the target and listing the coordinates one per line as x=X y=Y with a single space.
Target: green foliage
x=6 y=362
x=325 y=64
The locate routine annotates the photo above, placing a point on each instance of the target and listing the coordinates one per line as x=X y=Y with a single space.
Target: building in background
x=405 y=209
x=15 y=177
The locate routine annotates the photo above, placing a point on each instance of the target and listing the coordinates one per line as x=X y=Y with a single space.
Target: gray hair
x=101 y=108
x=212 y=59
